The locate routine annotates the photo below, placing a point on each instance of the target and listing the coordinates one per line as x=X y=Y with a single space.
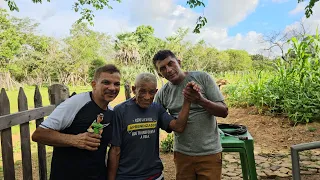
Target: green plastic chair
x=245 y=148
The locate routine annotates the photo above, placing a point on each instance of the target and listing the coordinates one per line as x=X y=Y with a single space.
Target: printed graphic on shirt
x=142 y=127
x=96 y=126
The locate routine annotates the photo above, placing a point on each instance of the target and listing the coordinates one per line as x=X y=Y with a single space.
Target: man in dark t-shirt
x=78 y=154
x=134 y=153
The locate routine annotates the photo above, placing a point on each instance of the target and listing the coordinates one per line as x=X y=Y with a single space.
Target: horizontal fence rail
x=57 y=94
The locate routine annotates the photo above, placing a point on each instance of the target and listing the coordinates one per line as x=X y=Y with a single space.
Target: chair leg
x=251 y=160
x=244 y=165
x=243 y=159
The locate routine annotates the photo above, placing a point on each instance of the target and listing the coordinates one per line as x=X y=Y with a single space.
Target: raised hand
x=87 y=140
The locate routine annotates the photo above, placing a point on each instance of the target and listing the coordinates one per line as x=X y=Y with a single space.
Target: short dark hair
x=109 y=68
x=161 y=55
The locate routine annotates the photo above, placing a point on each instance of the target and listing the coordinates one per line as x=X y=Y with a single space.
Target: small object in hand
x=96 y=127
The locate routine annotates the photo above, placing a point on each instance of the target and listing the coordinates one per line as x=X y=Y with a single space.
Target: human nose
x=169 y=69
x=111 y=87
x=147 y=96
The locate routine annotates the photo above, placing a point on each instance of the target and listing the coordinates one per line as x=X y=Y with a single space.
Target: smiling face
x=106 y=87
x=169 y=68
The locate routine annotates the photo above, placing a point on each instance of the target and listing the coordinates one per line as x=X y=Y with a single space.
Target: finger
x=91 y=148
x=185 y=92
x=94 y=140
x=189 y=97
x=93 y=135
x=190 y=84
x=196 y=88
x=92 y=144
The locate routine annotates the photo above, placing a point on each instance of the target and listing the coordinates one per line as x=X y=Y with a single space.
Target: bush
x=167 y=144
x=292 y=89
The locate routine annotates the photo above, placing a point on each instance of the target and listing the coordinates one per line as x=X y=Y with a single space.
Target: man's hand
x=192 y=92
x=87 y=140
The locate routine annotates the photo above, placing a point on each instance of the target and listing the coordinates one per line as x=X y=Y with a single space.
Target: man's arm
x=219 y=109
x=113 y=162
x=88 y=141
x=178 y=125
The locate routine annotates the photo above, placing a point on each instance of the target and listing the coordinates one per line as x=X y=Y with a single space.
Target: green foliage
x=167 y=144
x=292 y=89
x=308 y=9
x=129 y=73
x=312 y=129
x=94 y=65
x=239 y=60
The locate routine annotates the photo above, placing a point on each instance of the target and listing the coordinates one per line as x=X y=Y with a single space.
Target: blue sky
x=237 y=24
x=268 y=16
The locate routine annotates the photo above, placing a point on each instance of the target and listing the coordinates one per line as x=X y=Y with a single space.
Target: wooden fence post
x=127 y=90
x=58 y=93
x=42 y=160
x=25 y=138
x=6 y=140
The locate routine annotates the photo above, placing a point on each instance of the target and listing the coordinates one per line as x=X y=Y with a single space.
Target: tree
x=127 y=48
x=239 y=60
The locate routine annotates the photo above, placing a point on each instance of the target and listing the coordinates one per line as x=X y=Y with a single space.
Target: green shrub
x=167 y=144
x=292 y=89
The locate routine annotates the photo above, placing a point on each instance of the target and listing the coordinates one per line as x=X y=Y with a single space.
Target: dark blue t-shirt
x=136 y=132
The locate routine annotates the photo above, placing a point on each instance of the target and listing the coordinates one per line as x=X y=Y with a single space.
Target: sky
x=232 y=24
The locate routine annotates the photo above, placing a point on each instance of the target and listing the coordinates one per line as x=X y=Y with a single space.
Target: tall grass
x=292 y=89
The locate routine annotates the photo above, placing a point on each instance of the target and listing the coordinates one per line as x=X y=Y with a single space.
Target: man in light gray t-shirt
x=201 y=136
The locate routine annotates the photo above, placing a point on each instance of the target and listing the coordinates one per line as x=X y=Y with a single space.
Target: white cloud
x=310 y=24
x=299 y=8
x=164 y=16
x=226 y=13
x=219 y=38
x=2 y=3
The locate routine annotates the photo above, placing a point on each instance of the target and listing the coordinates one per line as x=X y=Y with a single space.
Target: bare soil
x=271 y=135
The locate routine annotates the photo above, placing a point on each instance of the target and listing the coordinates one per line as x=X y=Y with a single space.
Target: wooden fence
x=57 y=94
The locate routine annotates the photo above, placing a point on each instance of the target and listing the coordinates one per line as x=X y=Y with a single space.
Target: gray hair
x=145 y=77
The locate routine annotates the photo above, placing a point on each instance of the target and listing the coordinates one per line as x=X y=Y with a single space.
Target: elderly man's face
x=144 y=92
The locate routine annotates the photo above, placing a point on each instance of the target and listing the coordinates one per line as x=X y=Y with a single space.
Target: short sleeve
x=157 y=98
x=211 y=89
x=164 y=119
x=117 y=128
x=63 y=115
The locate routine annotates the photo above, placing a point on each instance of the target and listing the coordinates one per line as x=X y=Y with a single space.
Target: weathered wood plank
x=6 y=140
x=42 y=161
x=127 y=90
x=7 y=121
x=25 y=138
x=58 y=93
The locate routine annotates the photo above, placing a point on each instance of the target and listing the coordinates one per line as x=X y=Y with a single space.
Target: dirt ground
x=271 y=135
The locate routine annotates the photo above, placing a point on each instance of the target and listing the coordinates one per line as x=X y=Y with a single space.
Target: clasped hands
x=192 y=93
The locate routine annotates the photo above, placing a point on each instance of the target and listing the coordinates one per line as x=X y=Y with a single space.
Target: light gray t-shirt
x=201 y=136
